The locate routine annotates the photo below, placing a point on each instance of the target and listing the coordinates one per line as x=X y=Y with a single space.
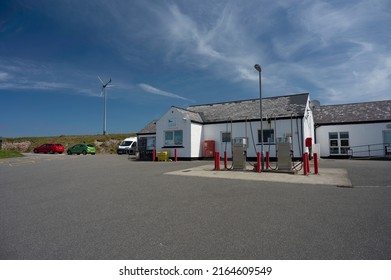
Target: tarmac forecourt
x=327 y=176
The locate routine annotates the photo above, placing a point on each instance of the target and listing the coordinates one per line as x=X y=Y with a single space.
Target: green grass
x=9 y=154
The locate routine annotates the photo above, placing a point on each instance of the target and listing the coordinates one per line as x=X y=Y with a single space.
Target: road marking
x=13 y=162
x=21 y=163
x=372 y=186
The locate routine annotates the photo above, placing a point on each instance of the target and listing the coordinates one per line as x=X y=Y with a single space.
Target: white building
x=358 y=129
x=192 y=132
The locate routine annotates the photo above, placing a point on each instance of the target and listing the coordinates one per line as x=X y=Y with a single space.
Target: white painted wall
x=174 y=120
x=359 y=134
x=196 y=140
x=195 y=134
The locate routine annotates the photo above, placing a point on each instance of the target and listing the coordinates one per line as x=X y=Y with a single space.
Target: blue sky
x=181 y=53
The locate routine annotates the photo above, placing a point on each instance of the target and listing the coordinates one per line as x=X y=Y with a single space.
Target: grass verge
x=9 y=154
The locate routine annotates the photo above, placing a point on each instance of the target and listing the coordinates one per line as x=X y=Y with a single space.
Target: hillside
x=103 y=143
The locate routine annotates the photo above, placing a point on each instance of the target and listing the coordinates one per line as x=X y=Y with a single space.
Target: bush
x=17 y=146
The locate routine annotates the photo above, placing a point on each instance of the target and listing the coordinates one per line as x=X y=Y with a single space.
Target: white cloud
x=4 y=76
x=216 y=41
x=153 y=90
x=337 y=51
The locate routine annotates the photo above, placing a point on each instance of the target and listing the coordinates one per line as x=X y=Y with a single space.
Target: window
x=226 y=137
x=339 y=143
x=173 y=138
x=268 y=136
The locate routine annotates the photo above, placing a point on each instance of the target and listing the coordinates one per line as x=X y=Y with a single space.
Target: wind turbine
x=103 y=92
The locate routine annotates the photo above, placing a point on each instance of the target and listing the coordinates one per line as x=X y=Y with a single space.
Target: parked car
x=49 y=148
x=82 y=149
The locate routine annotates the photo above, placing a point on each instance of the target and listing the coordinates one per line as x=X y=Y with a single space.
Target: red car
x=49 y=148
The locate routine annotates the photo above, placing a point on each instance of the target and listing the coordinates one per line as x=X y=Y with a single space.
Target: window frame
x=271 y=135
x=224 y=135
x=339 y=143
x=175 y=139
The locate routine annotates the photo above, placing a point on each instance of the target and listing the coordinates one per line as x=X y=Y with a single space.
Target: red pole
x=175 y=155
x=217 y=160
x=267 y=160
x=225 y=160
x=316 y=163
x=259 y=162
x=305 y=163
x=153 y=155
x=308 y=164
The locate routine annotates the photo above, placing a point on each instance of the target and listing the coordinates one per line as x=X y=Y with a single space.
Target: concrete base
x=327 y=176
x=281 y=171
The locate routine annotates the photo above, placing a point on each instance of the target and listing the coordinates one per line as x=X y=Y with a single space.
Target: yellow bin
x=163 y=155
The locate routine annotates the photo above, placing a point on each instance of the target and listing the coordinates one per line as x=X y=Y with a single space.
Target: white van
x=128 y=146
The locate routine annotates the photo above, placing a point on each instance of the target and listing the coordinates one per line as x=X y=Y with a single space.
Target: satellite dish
x=314 y=104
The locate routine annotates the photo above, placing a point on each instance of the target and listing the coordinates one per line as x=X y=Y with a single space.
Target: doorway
x=387 y=142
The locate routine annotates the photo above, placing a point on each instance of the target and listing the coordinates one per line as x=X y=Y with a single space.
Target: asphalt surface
x=110 y=207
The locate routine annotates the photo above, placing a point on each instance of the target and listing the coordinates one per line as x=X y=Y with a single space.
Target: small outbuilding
x=354 y=130
x=146 y=139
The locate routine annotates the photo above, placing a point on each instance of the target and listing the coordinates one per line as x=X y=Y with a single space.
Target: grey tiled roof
x=193 y=116
x=272 y=107
x=353 y=113
x=149 y=128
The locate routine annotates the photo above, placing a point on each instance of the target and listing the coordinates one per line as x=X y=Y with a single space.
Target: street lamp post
x=259 y=69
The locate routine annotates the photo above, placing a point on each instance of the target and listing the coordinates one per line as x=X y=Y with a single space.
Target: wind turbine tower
x=103 y=92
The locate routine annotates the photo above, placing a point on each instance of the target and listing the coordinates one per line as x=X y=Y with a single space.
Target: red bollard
x=308 y=163
x=258 y=162
x=316 y=163
x=267 y=160
x=175 y=155
x=225 y=160
x=217 y=160
x=305 y=162
x=153 y=155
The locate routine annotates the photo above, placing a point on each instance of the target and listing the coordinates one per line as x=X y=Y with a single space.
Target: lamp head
x=258 y=67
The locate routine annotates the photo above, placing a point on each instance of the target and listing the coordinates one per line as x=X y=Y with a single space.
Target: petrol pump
x=284 y=149
x=239 y=153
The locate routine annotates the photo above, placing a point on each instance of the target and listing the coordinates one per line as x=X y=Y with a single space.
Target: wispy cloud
x=336 y=51
x=3 y=76
x=29 y=75
x=153 y=90
x=339 y=52
x=214 y=40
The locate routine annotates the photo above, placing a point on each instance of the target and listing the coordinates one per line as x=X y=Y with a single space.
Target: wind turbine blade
x=101 y=80
x=107 y=83
x=101 y=92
